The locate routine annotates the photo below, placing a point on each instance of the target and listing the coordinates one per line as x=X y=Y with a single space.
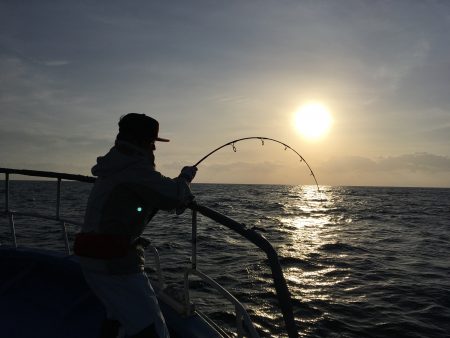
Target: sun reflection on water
x=314 y=224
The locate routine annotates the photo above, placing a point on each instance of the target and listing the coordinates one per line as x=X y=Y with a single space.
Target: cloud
x=242 y=172
x=417 y=162
x=34 y=98
x=396 y=68
x=421 y=162
x=22 y=86
x=419 y=169
x=36 y=139
x=244 y=166
x=46 y=151
x=439 y=134
x=55 y=63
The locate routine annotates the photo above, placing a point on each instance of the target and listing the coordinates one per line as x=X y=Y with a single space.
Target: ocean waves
x=359 y=262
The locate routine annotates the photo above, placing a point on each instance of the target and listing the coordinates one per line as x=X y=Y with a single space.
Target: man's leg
x=132 y=300
x=148 y=332
x=109 y=329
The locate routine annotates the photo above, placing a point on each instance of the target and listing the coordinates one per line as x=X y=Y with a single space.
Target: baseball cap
x=141 y=126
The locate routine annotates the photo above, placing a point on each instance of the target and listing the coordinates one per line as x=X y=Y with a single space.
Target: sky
x=214 y=71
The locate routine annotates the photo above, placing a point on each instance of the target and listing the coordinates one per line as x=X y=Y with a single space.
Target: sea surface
x=359 y=261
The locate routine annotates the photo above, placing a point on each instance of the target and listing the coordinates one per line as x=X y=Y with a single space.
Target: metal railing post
x=13 y=229
x=242 y=316
x=194 y=240
x=66 y=240
x=187 y=298
x=162 y=283
x=6 y=192
x=58 y=198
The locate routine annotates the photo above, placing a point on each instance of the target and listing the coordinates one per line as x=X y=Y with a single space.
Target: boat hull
x=43 y=294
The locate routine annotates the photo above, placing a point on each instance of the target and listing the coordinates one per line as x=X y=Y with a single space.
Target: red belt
x=103 y=246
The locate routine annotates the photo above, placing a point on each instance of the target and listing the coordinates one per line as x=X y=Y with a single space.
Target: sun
x=313 y=120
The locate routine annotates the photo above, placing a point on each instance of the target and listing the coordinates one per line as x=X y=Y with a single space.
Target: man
x=126 y=195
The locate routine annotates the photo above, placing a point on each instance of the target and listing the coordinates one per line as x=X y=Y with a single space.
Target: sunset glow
x=364 y=99
x=313 y=120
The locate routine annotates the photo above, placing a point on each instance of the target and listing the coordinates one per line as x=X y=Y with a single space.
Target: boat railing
x=282 y=291
x=244 y=323
x=242 y=316
x=8 y=212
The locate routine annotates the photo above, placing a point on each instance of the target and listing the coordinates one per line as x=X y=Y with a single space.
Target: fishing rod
x=261 y=138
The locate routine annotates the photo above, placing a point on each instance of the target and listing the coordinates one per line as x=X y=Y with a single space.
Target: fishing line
x=262 y=139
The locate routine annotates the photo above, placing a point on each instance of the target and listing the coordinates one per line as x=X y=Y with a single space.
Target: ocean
x=359 y=261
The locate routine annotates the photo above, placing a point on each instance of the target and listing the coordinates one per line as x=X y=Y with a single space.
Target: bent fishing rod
x=262 y=139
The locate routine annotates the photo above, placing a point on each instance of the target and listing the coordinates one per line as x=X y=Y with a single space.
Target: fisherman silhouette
x=127 y=193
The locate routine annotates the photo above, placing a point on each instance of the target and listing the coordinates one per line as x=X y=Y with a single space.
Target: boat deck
x=43 y=294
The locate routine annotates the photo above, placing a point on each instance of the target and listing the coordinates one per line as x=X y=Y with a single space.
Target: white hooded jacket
x=126 y=195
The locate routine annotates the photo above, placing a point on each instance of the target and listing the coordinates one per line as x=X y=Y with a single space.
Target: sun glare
x=313 y=120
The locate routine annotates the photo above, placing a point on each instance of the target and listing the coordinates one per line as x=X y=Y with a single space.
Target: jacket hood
x=115 y=161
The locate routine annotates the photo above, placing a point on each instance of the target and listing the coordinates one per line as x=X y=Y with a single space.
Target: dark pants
x=110 y=329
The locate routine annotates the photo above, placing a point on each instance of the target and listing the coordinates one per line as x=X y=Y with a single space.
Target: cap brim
x=162 y=139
